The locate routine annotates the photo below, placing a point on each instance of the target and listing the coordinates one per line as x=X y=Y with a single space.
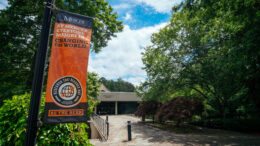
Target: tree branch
x=200 y=92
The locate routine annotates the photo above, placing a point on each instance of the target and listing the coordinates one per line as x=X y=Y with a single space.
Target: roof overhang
x=118 y=96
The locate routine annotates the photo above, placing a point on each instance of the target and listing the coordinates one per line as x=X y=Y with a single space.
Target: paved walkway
x=143 y=135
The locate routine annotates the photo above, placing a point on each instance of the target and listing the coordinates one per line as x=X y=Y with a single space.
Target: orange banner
x=66 y=99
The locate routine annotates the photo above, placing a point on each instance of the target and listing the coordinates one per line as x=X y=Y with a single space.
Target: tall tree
x=210 y=49
x=20 y=24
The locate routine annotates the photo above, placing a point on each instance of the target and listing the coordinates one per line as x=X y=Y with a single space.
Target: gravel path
x=143 y=135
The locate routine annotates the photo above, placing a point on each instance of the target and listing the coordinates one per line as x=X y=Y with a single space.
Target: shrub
x=147 y=108
x=92 y=91
x=13 y=121
x=179 y=109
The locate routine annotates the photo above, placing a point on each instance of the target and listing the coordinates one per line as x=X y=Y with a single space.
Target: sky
x=122 y=57
x=3 y=4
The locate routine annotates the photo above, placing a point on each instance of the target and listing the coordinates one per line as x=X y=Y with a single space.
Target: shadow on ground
x=204 y=137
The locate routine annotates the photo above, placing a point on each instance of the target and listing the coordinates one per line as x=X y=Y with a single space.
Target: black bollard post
x=129 y=130
x=107 y=129
x=107 y=125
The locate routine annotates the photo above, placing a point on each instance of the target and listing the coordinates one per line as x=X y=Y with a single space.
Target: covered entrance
x=113 y=103
x=106 y=108
x=127 y=107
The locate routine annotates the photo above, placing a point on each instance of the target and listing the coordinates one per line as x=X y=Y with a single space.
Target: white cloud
x=161 y=6
x=122 y=6
x=122 y=56
x=135 y=80
x=127 y=16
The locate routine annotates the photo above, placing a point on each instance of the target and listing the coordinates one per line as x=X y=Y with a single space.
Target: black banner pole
x=38 y=76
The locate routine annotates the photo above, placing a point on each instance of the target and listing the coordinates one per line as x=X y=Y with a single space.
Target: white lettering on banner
x=74 y=20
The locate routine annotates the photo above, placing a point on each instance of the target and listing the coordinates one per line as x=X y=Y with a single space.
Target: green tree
x=117 y=86
x=92 y=91
x=209 y=50
x=20 y=24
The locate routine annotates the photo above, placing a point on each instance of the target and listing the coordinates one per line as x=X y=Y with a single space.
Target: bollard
x=107 y=125
x=129 y=130
x=107 y=129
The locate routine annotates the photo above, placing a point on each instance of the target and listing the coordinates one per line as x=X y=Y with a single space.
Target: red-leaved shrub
x=179 y=109
x=147 y=108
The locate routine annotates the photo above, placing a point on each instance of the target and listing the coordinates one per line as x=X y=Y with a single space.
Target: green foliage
x=117 y=86
x=20 y=24
x=210 y=50
x=13 y=117
x=92 y=91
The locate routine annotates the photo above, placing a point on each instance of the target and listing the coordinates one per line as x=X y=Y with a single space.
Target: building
x=116 y=102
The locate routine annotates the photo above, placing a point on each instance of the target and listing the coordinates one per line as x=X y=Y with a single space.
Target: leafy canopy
x=120 y=85
x=210 y=50
x=20 y=24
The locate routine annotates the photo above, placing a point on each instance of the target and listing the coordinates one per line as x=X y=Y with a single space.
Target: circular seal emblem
x=66 y=91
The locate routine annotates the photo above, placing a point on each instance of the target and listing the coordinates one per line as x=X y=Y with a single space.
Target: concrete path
x=143 y=135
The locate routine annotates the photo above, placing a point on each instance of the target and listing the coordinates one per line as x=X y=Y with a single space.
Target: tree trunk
x=30 y=76
x=143 y=118
x=178 y=124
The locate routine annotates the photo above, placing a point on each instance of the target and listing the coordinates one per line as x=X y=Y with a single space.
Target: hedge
x=13 y=121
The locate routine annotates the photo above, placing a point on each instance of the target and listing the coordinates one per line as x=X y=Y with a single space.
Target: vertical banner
x=66 y=99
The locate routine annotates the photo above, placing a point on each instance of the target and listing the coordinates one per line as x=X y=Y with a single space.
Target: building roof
x=103 y=88
x=106 y=95
x=118 y=96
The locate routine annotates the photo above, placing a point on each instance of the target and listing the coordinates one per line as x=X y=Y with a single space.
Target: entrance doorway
x=127 y=107
x=106 y=108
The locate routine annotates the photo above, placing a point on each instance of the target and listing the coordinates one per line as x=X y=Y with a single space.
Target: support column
x=116 y=109
x=95 y=110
